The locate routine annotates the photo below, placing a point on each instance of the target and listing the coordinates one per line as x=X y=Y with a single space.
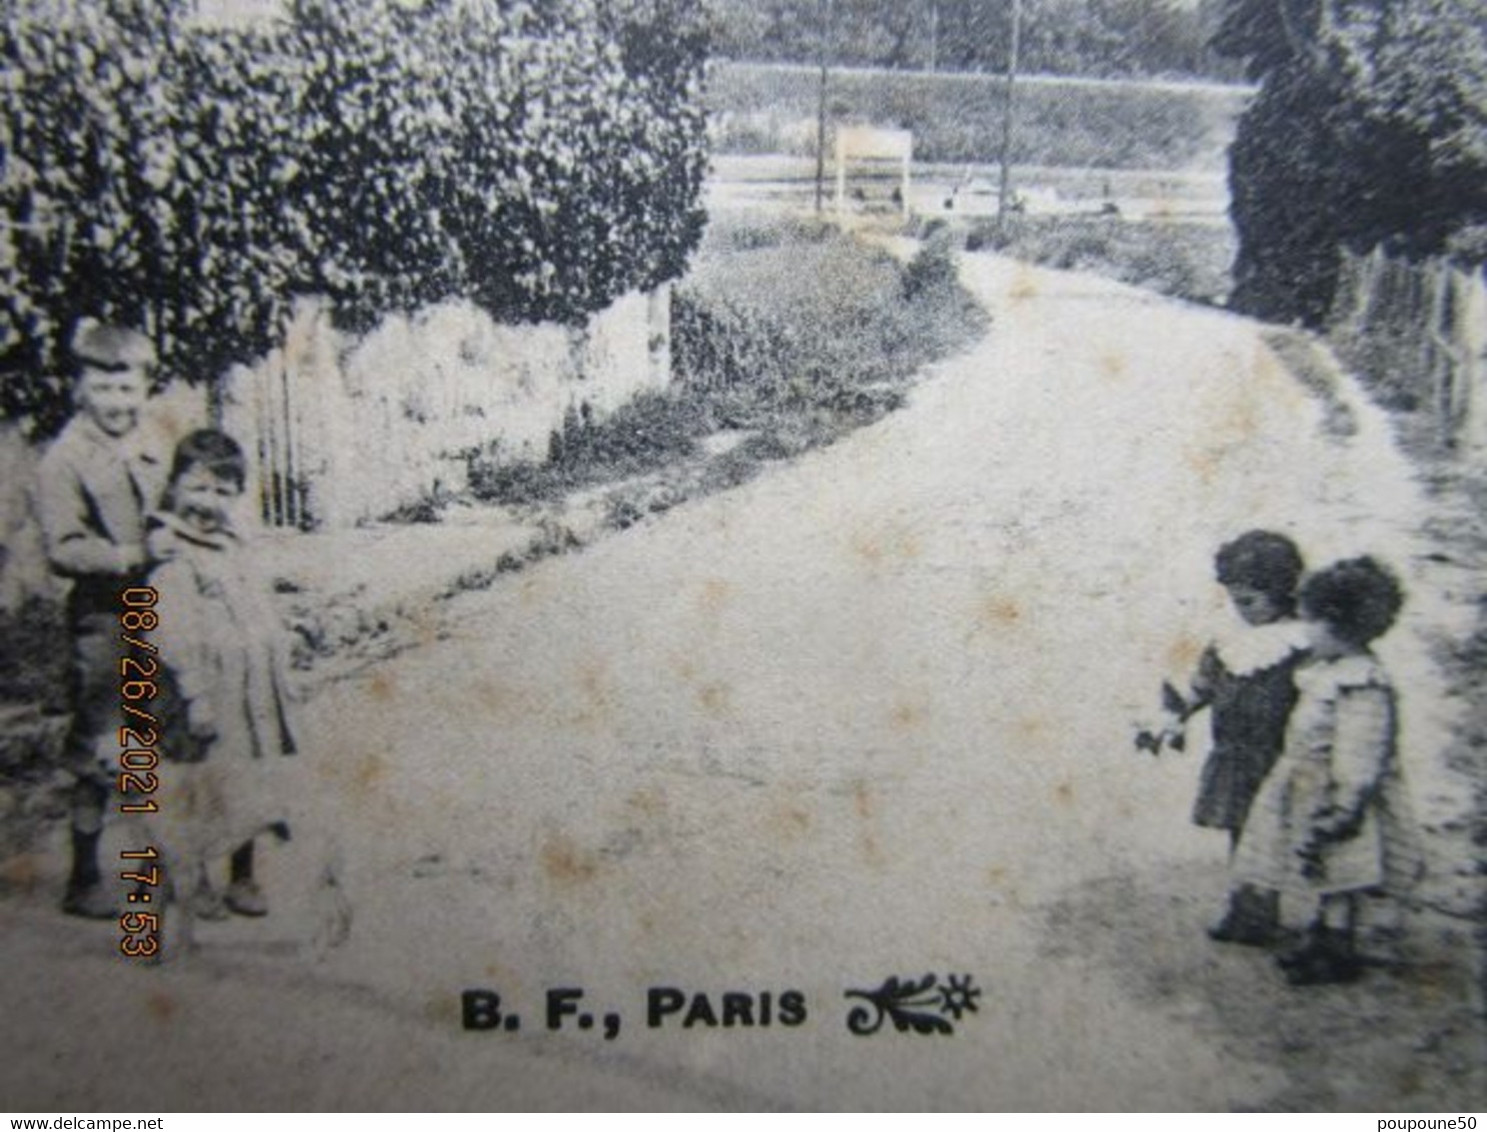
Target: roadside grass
x=35 y=654
x=35 y=678
x=1454 y=526
x=1185 y=260
x=787 y=334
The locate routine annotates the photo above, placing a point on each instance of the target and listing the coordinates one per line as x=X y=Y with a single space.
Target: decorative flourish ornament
x=924 y=1006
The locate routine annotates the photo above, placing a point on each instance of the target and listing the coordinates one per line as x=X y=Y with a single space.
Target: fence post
x=658 y=334
x=1435 y=347
x=1470 y=333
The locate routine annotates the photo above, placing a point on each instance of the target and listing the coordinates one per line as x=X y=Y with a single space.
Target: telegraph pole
x=825 y=46
x=934 y=34
x=1004 y=191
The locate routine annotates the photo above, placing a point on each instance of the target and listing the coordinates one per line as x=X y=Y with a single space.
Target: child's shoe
x=1253 y=919
x=1323 y=968
x=245 y=898
x=1327 y=957
x=1243 y=931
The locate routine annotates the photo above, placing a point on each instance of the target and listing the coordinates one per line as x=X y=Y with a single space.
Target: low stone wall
x=347 y=431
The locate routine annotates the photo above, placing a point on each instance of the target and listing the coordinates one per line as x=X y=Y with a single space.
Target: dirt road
x=867 y=715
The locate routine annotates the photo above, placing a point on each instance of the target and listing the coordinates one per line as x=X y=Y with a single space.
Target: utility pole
x=934 y=34
x=1004 y=191
x=825 y=45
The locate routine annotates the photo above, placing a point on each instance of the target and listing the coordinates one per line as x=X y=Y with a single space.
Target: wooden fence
x=1419 y=332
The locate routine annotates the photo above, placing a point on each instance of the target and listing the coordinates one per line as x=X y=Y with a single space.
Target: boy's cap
x=98 y=345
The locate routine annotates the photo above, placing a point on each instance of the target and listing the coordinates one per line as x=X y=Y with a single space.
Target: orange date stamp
x=139 y=760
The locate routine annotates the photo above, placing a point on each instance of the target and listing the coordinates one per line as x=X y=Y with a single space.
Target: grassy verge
x=1187 y=261
x=35 y=675
x=787 y=335
x=1454 y=524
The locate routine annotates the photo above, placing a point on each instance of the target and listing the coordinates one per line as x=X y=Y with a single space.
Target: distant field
x=957 y=118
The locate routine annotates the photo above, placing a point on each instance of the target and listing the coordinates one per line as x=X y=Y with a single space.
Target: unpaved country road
x=867 y=715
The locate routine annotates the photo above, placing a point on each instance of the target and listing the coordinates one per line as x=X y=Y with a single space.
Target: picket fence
x=342 y=431
x=1421 y=329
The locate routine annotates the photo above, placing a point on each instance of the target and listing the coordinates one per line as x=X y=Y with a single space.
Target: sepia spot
x=715 y=699
x=566 y=863
x=490 y=696
x=894 y=541
x=909 y=713
x=1031 y=727
x=160 y=1006
x=369 y=772
x=715 y=594
x=20 y=871
x=998 y=612
x=790 y=820
x=1024 y=286
x=651 y=802
x=1182 y=655
x=593 y=684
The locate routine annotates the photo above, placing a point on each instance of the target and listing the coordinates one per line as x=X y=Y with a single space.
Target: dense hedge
x=538 y=159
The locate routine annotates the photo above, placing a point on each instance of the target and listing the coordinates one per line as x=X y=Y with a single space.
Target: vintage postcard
x=682 y=554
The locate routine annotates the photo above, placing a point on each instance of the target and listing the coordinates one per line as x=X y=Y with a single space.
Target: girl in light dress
x=224 y=709
x=1332 y=819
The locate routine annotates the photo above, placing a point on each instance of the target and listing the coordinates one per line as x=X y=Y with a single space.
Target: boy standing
x=97 y=484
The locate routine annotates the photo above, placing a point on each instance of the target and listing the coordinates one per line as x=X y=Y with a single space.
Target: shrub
x=652 y=429
x=788 y=330
x=806 y=323
x=933 y=266
x=35 y=654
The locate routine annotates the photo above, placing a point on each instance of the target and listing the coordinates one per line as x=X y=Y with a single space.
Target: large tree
x=1370 y=128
